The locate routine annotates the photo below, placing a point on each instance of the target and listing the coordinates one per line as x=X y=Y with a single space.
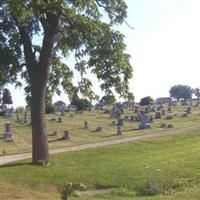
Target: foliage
x=108 y=99
x=7 y=98
x=181 y=92
x=196 y=92
x=81 y=104
x=146 y=101
x=79 y=28
x=69 y=189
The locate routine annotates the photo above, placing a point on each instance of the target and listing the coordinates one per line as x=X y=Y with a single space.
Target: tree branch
x=109 y=11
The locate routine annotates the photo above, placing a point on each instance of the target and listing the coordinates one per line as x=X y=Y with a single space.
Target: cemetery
x=90 y=107
x=82 y=127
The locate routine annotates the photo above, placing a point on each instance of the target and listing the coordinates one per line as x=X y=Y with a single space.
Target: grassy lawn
x=79 y=135
x=171 y=163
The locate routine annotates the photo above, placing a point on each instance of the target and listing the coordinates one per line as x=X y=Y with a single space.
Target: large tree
x=196 y=92
x=37 y=35
x=181 y=92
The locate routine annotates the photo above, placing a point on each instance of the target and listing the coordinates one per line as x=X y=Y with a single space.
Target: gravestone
x=85 y=124
x=53 y=119
x=54 y=133
x=163 y=125
x=25 y=121
x=189 y=110
x=126 y=118
x=158 y=115
x=59 y=119
x=158 y=108
x=8 y=132
x=8 y=113
x=152 y=109
x=169 y=109
x=62 y=110
x=17 y=117
x=184 y=115
x=132 y=118
x=163 y=112
x=120 y=121
x=98 y=129
x=119 y=130
x=145 y=122
x=147 y=110
x=66 y=135
x=170 y=126
x=151 y=119
x=184 y=103
x=169 y=117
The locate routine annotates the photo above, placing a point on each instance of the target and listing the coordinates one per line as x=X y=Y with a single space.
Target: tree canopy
x=80 y=29
x=181 y=92
x=6 y=98
x=146 y=101
x=196 y=92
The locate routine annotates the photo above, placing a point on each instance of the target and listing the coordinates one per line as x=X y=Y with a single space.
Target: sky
x=164 y=47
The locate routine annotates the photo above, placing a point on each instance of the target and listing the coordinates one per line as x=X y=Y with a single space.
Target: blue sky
x=164 y=47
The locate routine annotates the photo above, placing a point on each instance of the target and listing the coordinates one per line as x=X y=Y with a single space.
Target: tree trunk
x=40 y=152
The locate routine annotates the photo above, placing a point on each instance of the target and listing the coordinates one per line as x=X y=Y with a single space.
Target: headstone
x=8 y=113
x=62 y=110
x=120 y=121
x=17 y=117
x=163 y=125
x=158 y=108
x=53 y=119
x=132 y=118
x=66 y=135
x=8 y=132
x=163 y=112
x=25 y=117
x=85 y=124
x=152 y=109
x=168 y=117
x=184 y=103
x=151 y=119
x=170 y=126
x=54 y=133
x=126 y=118
x=145 y=122
x=59 y=119
x=169 y=109
x=184 y=115
x=158 y=115
x=99 y=129
x=119 y=130
x=189 y=110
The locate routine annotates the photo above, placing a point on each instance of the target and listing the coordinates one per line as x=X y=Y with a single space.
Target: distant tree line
x=184 y=92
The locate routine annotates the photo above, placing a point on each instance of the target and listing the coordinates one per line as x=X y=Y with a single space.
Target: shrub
x=146 y=101
x=69 y=189
x=49 y=109
x=153 y=187
x=82 y=104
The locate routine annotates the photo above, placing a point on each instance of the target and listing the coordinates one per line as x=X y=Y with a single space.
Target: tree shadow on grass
x=27 y=163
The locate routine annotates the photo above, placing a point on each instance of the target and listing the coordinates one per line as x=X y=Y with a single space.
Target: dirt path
x=17 y=157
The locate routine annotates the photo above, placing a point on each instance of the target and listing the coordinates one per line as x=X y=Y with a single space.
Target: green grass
x=79 y=135
x=173 y=161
